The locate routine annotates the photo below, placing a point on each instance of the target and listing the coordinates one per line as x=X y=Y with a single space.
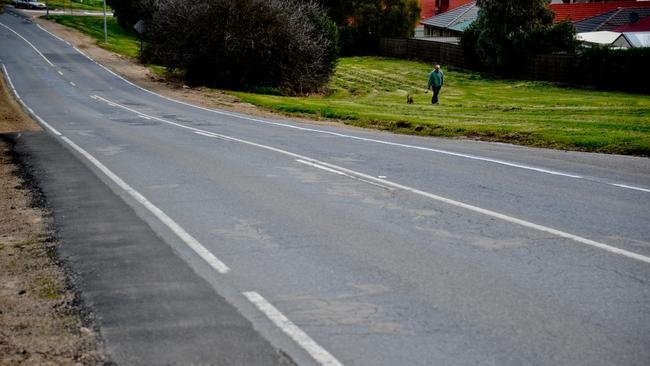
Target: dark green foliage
x=614 y=69
x=242 y=44
x=468 y=41
x=363 y=22
x=129 y=12
x=557 y=38
x=507 y=32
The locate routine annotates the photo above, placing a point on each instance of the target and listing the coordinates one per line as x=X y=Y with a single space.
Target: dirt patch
x=40 y=317
x=138 y=74
x=12 y=118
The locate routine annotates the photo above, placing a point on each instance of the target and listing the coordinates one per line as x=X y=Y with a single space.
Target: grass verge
x=41 y=319
x=92 y=5
x=121 y=41
x=371 y=92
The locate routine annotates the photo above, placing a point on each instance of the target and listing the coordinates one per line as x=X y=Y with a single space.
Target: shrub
x=129 y=12
x=242 y=44
x=363 y=22
x=508 y=32
x=614 y=69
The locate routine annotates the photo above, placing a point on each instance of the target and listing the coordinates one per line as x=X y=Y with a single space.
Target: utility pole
x=47 y=8
x=105 y=26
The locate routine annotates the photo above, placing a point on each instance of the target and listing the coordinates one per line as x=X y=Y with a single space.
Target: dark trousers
x=436 y=91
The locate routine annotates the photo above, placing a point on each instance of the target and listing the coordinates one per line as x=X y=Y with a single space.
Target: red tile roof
x=453 y=4
x=429 y=7
x=643 y=25
x=580 y=11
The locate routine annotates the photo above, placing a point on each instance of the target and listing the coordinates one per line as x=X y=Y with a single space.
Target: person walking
x=436 y=79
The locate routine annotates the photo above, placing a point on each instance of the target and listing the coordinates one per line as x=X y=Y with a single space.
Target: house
x=427 y=8
x=612 y=19
x=451 y=23
x=443 y=6
x=642 y=25
x=431 y=8
x=453 y=17
x=615 y=39
x=637 y=39
x=580 y=11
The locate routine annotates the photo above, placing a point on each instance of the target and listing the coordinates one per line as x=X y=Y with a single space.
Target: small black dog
x=409 y=99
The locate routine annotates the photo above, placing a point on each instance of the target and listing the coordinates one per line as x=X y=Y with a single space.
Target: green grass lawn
x=96 y=5
x=120 y=41
x=371 y=92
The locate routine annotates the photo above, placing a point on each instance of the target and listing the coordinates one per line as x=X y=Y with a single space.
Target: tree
x=507 y=32
x=242 y=44
x=129 y=12
x=363 y=22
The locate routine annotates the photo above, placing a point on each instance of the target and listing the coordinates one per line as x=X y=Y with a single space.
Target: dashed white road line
x=319 y=353
x=29 y=43
x=73 y=84
x=381 y=181
x=257 y=120
x=387 y=183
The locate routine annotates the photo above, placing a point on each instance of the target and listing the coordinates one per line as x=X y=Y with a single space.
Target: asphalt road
x=359 y=247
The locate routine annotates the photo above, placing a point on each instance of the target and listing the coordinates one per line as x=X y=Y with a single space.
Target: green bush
x=607 y=68
x=286 y=45
x=507 y=33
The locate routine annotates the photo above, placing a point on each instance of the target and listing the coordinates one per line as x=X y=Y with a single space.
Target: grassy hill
x=371 y=92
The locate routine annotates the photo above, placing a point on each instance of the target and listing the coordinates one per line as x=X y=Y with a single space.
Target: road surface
x=355 y=247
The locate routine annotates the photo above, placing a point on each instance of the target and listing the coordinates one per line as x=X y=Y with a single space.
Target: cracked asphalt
x=374 y=270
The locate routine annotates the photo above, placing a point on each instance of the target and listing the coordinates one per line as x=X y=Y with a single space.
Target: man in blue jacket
x=436 y=79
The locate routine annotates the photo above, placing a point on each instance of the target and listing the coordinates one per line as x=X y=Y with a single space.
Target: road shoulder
x=121 y=281
x=42 y=318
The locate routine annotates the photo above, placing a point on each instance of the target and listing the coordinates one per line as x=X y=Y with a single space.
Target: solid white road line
x=244 y=117
x=213 y=261
x=188 y=239
x=388 y=183
x=317 y=166
x=293 y=331
x=29 y=43
x=630 y=187
x=53 y=35
x=20 y=100
x=322 y=167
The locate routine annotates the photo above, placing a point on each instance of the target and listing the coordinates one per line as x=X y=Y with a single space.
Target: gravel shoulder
x=41 y=319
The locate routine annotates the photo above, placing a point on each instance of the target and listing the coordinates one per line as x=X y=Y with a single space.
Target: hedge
x=625 y=70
